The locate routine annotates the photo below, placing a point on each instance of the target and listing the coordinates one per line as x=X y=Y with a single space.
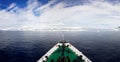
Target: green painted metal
x=64 y=54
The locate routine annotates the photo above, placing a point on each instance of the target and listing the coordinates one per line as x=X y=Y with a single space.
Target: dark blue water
x=16 y=46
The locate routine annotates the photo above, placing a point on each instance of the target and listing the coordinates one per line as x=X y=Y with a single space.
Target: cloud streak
x=95 y=14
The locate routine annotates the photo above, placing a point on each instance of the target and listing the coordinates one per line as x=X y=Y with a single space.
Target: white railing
x=70 y=46
x=78 y=52
x=49 y=53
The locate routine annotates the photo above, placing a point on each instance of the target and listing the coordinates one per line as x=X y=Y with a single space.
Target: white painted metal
x=78 y=52
x=70 y=46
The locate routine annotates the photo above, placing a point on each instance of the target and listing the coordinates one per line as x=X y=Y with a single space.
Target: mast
x=63 y=36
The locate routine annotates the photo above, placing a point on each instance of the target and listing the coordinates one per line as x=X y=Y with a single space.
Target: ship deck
x=64 y=54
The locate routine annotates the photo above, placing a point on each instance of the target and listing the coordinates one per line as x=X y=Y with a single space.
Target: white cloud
x=97 y=14
x=11 y=6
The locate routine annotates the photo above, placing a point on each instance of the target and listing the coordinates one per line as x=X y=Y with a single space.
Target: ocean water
x=29 y=46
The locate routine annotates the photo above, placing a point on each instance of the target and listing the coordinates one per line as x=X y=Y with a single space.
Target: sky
x=59 y=14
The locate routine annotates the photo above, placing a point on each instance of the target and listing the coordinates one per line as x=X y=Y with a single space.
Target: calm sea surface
x=18 y=46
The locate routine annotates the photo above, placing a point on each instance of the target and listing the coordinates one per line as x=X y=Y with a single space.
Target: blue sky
x=21 y=3
x=53 y=14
